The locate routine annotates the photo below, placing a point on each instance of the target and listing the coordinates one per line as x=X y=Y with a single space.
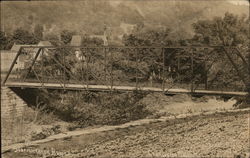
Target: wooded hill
x=91 y=16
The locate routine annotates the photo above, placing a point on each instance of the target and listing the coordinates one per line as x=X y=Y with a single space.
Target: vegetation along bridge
x=213 y=70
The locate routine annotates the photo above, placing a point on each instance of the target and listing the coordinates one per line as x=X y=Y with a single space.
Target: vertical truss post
x=206 y=75
x=105 y=65
x=87 y=68
x=42 y=66
x=206 y=71
x=192 y=71
x=111 y=56
x=136 y=70
x=82 y=66
x=178 y=67
x=64 y=73
x=12 y=65
x=163 y=69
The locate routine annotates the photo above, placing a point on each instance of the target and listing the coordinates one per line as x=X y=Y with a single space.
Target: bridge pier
x=11 y=104
x=13 y=112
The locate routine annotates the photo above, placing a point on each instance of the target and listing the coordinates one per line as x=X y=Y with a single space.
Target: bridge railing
x=158 y=67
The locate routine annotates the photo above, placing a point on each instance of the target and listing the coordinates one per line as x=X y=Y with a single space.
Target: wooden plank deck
x=119 y=88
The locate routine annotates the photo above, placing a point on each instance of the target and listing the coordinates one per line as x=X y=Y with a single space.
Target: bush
x=99 y=108
x=39 y=116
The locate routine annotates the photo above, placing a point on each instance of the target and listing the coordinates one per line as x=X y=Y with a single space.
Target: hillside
x=91 y=16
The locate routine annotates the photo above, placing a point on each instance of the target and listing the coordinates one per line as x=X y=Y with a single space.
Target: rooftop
x=16 y=47
x=76 y=40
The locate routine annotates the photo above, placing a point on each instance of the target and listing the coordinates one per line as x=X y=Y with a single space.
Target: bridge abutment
x=13 y=111
x=11 y=104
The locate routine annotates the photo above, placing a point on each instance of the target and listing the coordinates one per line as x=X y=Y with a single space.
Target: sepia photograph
x=125 y=78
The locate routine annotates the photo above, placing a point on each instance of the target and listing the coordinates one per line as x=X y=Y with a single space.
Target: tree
x=66 y=36
x=38 y=32
x=148 y=37
x=3 y=41
x=230 y=30
x=53 y=39
x=150 y=60
x=88 y=41
x=21 y=36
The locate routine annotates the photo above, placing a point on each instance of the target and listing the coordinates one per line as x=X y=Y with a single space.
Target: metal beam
x=235 y=66
x=77 y=87
x=127 y=47
x=163 y=70
x=33 y=62
x=241 y=56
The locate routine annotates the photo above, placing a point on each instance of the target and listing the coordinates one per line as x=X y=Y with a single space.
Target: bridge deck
x=120 y=88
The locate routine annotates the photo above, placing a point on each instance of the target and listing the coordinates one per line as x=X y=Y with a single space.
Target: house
x=45 y=50
x=7 y=56
x=77 y=41
x=127 y=28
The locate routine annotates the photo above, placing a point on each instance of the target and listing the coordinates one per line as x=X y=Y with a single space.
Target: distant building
x=8 y=56
x=44 y=43
x=45 y=50
x=77 y=41
x=51 y=30
x=127 y=28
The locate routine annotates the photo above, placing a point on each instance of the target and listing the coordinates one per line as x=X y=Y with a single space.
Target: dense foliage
x=66 y=36
x=102 y=108
x=19 y=36
x=230 y=30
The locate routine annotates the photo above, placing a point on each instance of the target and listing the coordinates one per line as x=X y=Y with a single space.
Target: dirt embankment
x=216 y=135
x=196 y=136
x=163 y=105
x=156 y=104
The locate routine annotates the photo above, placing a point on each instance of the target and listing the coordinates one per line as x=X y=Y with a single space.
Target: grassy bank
x=95 y=108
